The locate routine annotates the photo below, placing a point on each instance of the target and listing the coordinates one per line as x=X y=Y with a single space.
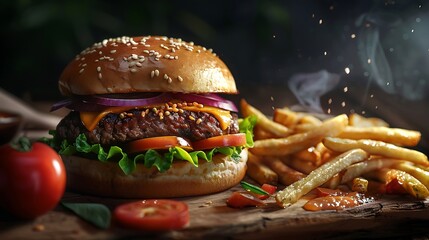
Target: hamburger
x=147 y=120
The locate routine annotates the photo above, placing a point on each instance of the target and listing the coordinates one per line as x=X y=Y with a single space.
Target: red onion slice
x=208 y=99
x=99 y=103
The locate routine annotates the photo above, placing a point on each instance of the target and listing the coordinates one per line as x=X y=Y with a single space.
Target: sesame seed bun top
x=146 y=64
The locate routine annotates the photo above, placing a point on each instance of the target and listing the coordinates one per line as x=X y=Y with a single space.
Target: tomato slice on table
x=157 y=143
x=230 y=140
x=269 y=189
x=244 y=199
x=153 y=215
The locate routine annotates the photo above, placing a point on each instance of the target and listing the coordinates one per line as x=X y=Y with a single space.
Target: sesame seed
x=165 y=76
x=180 y=78
x=105 y=42
x=181 y=111
x=133 y=70
x=143 y=114
x=122 y=115
x=81 y=70
x=138 y=64
x=109 y=89
x=173 y=50
x=134 y=48
x=146 y=51
x=156 y=72
x=166 y=56
x=172 y=57
x=199 y=120
x=98 y=69
x=113 y=51
x=125 y=58
x=84 y=65
x=167 y=113
x=152 y=74
x=131 y=64
x=141 y=60
x=170 y=80
x=198 y=51
x=191 y=117
x=134 y=56
x=176 y=57
x=100 y=76
x=100 y=52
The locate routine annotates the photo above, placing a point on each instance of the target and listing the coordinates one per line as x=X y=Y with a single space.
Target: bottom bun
x=182 y=179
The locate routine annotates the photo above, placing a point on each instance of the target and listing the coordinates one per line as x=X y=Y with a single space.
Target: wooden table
x=387 y=217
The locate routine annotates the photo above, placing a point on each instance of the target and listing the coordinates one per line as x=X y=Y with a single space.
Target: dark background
x=264 y=43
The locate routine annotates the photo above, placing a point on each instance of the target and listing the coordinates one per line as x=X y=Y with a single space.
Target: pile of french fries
x=304 y=152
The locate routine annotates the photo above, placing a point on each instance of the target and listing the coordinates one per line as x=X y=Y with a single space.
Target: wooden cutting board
x=387 y=217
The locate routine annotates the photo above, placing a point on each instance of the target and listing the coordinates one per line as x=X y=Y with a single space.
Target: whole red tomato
x=32 y=181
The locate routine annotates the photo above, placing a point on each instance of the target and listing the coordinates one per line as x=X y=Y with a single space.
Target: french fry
x=293 y=192
x=361 y=168
x=260 y=133
x=376 y=148
x=397 y=136
x=301 y=141
x=259 y=172
x=360 y=121
x=300 y=165
x=418 y=173
x=413 y=186
x=286 y=117
x=333 y=182
x=263 y=121
x=359 y=185
x=310 y=154
x=310 y=119
x=304 y=127
x=287 y=175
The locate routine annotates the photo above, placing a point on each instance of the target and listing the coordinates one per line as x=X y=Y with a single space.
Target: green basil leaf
x=94 y=213
x=254 y=189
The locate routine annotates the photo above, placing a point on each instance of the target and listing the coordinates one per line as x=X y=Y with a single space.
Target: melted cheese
x=223 y=116
x=91 y=119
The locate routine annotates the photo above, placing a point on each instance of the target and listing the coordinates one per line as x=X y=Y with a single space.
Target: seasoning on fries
x=293 y=192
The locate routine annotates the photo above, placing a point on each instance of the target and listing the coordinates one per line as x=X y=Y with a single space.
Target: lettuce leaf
x=151 y=158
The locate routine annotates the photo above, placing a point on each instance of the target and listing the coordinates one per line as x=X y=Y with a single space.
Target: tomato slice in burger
x=157 y=143
x=230 y=140
x=153 y=215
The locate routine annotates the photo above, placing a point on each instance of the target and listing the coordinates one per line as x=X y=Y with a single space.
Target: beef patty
x=115 y=129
